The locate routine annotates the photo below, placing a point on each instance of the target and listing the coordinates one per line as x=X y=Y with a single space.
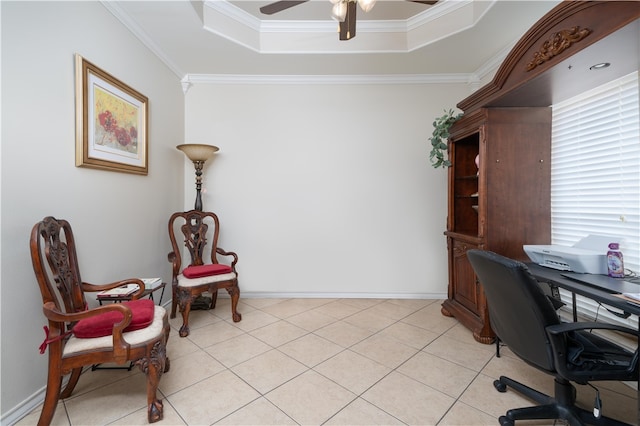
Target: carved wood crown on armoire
x=500 y=149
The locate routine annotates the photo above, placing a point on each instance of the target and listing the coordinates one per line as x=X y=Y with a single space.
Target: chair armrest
x=52 y=313
x=174 y=259
x=228 y=253
x=572 y=369
x=92 y=288
x=576 y=326
x=120 y=346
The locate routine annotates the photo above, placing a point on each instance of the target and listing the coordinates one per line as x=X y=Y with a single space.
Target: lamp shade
x=198 y=152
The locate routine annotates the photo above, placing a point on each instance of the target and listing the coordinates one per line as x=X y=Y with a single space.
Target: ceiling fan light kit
x=366 y=5
x=343 y=11
x=339 y=10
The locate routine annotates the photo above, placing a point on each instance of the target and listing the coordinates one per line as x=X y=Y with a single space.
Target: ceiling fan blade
x=424 y=1
x=348 y=26
x=279 y=6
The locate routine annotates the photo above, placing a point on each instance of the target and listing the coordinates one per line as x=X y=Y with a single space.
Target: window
x=595 y=167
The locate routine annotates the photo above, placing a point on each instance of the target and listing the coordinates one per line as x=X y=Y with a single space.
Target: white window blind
x=595 y=167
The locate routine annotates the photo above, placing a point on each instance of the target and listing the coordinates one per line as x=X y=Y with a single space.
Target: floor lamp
x=198 y=153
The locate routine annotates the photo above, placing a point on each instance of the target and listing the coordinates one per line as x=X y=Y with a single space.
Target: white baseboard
x=307 y=295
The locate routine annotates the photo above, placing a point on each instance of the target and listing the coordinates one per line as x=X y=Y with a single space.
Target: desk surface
x=555 y=277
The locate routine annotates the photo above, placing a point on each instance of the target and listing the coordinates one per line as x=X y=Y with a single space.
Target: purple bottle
x=615 y=264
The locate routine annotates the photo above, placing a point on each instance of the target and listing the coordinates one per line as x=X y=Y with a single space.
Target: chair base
x=562 y=406
x=185 y=297
x=203 y=303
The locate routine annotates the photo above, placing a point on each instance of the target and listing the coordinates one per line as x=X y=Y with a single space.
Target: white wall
x=326 y=190
x=321 y=189
x=119 y=219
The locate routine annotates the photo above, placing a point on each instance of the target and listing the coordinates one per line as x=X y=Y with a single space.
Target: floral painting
x=116 y=122
x=111 y=122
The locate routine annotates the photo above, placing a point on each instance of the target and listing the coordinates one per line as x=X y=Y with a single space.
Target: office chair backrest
x=518 y=308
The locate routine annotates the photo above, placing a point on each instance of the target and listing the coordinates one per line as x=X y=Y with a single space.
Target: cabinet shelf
x=464 y=181
x=501 y=225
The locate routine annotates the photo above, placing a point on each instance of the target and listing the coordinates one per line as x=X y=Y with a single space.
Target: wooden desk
x=554 y=277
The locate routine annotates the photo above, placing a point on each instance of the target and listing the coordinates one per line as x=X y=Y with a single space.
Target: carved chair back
x=55 y=263
x=196 y=232
x=199 y=232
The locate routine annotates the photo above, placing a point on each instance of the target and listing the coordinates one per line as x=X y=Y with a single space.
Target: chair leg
x=185 y=307
x=523 y=389
x=153 y=365
x=538 y=412
x=214 y=297
x=54 y=382
x=174 y=299
x=167 y=363
x=73 y=381
x=561 y=406
x=234 y=292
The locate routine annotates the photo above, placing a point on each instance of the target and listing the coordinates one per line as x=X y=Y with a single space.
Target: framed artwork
x=111 y=122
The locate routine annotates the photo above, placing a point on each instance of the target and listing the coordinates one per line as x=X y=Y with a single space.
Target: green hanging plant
x=439 y=137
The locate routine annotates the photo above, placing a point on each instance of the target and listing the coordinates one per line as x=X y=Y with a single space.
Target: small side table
x=146 y=293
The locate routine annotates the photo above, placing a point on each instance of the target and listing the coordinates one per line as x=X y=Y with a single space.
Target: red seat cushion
x=206 y=270
x=102 y=325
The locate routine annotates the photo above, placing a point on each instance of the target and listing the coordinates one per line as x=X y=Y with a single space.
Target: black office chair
x=524 y=319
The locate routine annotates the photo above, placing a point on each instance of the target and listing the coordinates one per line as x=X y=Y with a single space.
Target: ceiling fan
x=344 y=11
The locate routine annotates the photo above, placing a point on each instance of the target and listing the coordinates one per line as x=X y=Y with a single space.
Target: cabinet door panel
x=464 y=280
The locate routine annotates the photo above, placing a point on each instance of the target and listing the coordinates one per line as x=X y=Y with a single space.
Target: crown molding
x=444 y=19
x=133 y=26
x=187 y=80
x=191 y=79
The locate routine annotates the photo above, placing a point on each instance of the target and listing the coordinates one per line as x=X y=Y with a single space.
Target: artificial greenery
x=439 y=138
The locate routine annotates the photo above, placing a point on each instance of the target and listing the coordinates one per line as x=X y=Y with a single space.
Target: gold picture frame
x=111 y=122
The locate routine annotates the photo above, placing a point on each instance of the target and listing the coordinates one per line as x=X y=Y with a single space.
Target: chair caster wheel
x=505 y=421
x=500 y=387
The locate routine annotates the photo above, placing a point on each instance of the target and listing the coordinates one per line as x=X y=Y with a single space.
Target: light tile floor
x=323 y=362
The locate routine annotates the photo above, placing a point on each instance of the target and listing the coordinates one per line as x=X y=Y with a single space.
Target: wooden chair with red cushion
x=199 y=232
x=77 y=336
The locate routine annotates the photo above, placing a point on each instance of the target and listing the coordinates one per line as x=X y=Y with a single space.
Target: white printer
x=589 y=255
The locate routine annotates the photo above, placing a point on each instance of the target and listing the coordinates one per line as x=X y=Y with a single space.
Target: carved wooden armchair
x=203 y=273
x=135 y=331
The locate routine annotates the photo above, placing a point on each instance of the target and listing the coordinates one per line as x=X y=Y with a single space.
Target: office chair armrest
x=576 y=326
x=228 y=253
x=579 y=363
